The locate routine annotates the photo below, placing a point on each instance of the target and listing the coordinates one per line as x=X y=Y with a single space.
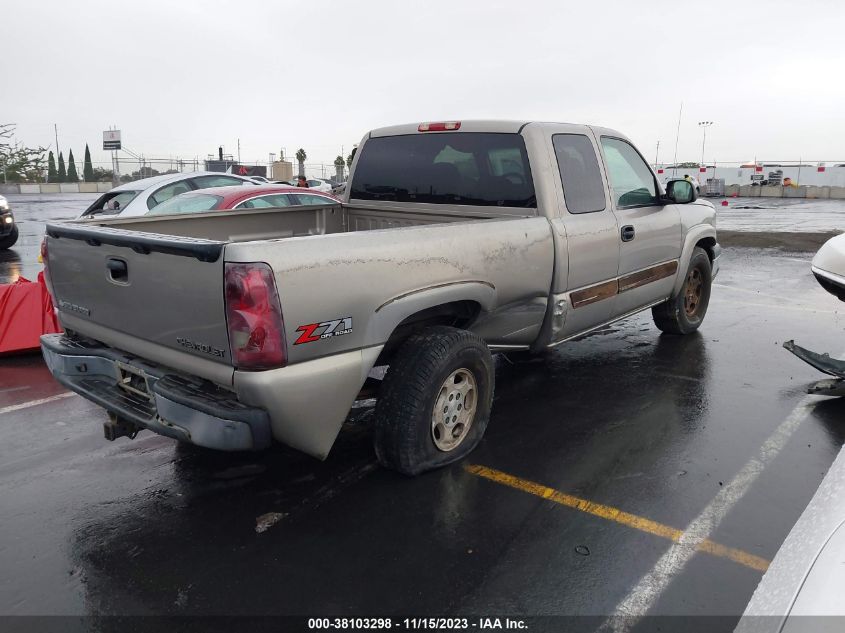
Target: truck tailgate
x=163 y=289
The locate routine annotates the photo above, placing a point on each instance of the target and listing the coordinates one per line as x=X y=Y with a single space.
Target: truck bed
x=246 y=225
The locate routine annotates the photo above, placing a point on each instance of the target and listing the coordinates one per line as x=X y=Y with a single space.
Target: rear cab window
x=467 y=168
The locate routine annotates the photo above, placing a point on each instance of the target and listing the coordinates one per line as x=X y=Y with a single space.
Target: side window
x=203 y=182
x=579 y=173
x=266 y=202
x=309 y=199
x=314 y=183
x=630 y=178
x=167 y=192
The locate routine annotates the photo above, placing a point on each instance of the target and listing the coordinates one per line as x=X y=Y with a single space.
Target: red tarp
x=26 y=312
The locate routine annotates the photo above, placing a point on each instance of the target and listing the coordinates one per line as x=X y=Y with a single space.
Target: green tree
x=52 y=174
x=19 y=162
x=339 y=164
x=349 y=159
x=62 y=177
x=300 y=158
x=88 y=167
x=72 y=176
x=102 y=175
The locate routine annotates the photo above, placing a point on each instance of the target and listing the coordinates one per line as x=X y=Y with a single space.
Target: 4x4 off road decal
x=327 y=329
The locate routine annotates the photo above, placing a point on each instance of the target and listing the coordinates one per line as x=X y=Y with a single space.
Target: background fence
x=812 y=173
x=130 y=169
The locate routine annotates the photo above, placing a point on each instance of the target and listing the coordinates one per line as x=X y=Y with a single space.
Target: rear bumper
x=155 y=398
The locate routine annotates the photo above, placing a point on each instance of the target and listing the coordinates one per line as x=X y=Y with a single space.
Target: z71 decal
x=327 y=329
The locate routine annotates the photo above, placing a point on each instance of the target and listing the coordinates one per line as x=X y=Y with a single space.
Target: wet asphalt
x=649 y=424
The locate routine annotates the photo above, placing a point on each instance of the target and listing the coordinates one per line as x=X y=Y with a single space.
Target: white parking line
x=650 y=587
x=35 y=403
x=774 y=306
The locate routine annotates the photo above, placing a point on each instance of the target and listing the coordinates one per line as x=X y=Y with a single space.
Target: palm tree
x=339 y=164
x=300 y=158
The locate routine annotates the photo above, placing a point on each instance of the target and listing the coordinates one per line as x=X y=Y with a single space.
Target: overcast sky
x=181 y=77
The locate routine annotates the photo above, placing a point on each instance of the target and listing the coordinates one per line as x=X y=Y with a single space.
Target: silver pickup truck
x=454 y=240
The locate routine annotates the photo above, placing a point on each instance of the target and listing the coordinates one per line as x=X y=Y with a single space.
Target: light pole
x=704 y=125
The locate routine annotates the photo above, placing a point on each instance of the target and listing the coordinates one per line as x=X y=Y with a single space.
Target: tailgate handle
x=118 y=270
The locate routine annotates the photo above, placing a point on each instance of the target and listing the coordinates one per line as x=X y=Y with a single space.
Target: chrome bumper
x=154 y=398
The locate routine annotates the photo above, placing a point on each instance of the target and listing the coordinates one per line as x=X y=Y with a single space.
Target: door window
x=266 y=202
x=189 y=203
x=583 y=189
x=167 y=192
x=311 y=199
x=631 y=179
x=204 y=182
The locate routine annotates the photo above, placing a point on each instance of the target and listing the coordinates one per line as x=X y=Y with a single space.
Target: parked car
x=828 y=266
x=802 y=588
x=138 y=197
x=680 y=175
x=320 y=185
x=313 y=183
x=453 y=241
x=8 y=228
x=224 y=198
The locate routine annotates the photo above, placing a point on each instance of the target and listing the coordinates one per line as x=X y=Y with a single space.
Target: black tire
x=684 y=313
x=9 y=240
x=404 y=423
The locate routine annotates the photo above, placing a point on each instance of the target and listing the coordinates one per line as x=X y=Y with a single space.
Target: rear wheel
x=684 y=312
x=435 y=402
x=9 y=240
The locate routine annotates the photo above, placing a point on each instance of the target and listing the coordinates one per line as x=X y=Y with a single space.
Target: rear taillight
x=254 y=317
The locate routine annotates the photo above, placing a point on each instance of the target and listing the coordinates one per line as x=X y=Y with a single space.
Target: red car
x=225 y=198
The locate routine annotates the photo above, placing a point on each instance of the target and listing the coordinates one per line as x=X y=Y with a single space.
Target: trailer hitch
x=119 y=427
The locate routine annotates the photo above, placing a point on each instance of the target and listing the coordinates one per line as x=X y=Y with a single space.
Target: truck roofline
x=500 y=126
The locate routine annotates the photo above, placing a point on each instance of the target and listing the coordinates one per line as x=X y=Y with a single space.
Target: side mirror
x=680 y=191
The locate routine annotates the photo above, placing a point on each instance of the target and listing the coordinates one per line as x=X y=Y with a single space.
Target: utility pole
x=656 y=154
x=56 y=130
x=677 y=136
x=239 y=151
x=704 y=125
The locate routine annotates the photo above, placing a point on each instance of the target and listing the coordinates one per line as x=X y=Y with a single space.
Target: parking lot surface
x=625 y=473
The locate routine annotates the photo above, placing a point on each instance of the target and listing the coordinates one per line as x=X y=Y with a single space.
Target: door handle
x=118 y=270
x=627 y=233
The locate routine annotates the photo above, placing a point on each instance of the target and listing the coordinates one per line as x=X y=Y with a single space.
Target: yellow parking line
x=616 y=515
